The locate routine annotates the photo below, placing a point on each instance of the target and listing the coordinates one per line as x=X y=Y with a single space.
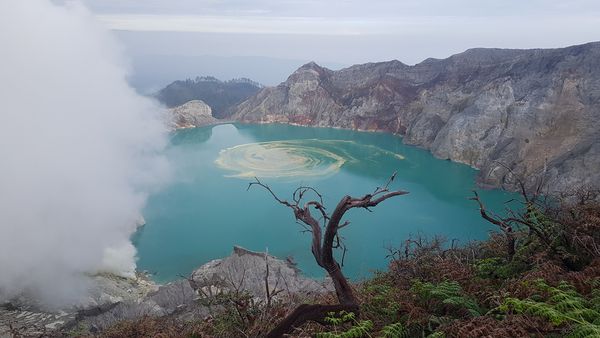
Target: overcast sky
x=345 y=31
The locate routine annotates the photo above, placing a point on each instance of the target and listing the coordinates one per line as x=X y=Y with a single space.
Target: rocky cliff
x=535 y=111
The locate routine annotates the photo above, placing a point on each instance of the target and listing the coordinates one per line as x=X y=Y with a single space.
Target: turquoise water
x=207 y=209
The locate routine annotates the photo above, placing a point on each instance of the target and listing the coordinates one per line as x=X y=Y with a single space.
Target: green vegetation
x=357 y=329
x=561 y=305
x=447 y=294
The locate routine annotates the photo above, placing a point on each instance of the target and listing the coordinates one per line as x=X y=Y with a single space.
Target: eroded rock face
x=192 y=114
x=114 y=299
x=247 y=270
x=535 y=111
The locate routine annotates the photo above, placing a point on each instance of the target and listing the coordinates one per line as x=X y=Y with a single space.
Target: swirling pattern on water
x=292 y=158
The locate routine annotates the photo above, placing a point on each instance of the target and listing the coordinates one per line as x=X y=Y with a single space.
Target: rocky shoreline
x=114 y=299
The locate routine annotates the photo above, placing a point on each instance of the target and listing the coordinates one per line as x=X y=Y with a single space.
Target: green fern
x=560 y=305
x=449 y=293
x=500 y=268
x=380 y=300
x=396 y=330
x=339 y=318
x=357 y=330
x=595 y=295
x=585 y=331
x=436 y=334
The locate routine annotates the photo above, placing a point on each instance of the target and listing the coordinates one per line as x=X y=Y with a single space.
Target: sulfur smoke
x=79 y=153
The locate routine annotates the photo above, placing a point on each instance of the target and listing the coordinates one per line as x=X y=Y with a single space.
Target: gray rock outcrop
x=246 y=270
x=114 y=299
x=535 y=111
x=192 y=114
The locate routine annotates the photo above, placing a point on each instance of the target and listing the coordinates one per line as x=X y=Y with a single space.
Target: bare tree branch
x=323 y=245
x=503 y=224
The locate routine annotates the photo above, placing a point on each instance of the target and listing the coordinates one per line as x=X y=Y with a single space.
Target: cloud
x=346 y=31
x=349 y=8
x=240 y=24
x=79 y=152
x=457 y=26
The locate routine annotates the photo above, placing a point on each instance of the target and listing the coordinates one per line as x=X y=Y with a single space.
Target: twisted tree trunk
x=322 y=248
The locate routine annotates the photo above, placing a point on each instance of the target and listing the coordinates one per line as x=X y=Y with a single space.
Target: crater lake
x=207 y=209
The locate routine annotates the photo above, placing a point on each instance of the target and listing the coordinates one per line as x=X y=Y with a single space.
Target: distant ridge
x=535 y=112
x=221 y=96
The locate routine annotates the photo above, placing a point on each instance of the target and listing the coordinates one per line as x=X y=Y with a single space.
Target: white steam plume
x=78 y=152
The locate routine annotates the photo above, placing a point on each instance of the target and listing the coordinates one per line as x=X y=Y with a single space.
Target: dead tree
x=534 y=198
x=503 y=223
x=323 y=245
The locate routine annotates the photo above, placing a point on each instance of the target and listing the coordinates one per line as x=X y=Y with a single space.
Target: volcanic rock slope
x=113 y=299
x=534 y=111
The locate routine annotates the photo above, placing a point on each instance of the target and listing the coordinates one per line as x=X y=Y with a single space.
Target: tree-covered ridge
x=219 y=95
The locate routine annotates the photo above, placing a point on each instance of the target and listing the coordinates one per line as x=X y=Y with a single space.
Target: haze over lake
x=208 y=209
